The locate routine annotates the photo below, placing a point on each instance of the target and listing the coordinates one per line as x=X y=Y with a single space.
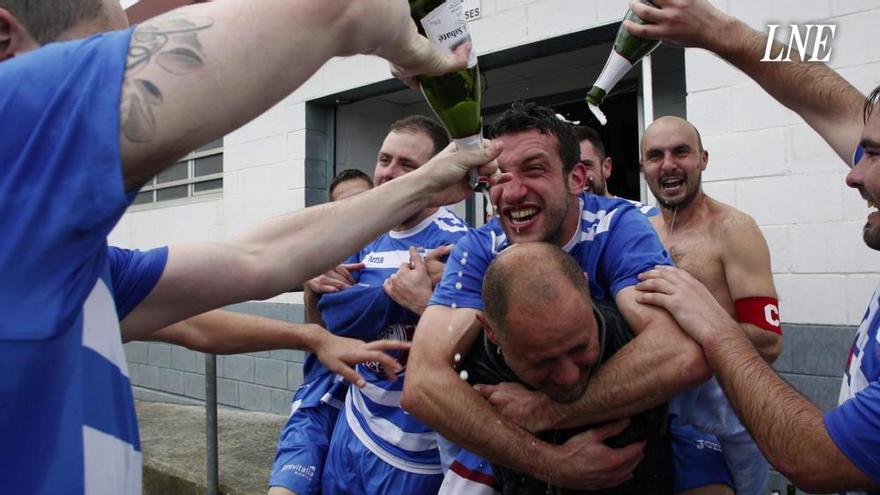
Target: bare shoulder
x=732 y=224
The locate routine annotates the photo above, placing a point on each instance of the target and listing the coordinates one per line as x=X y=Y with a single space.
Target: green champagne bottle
x=628 y=50
x=455 y=98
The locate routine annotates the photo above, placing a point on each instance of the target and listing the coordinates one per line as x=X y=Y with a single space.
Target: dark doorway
x=620 y=136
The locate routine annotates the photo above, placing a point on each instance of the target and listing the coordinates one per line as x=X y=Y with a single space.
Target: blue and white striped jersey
x=67 y=418
x=616 y=242
x=374 y=413
x=854 y=424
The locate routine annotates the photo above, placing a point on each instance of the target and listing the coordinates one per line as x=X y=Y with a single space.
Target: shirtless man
x=723 y=248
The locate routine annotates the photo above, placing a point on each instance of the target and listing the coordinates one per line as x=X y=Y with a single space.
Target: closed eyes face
x=555 y=352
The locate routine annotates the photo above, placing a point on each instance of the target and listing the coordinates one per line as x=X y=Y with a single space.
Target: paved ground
x=173 y=444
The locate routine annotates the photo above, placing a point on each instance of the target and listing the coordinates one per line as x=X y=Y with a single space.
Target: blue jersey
x=374 y=413
x=855 y=424
x=67 y=419
x=134 y=274
x=647 y=210
x=614 y=244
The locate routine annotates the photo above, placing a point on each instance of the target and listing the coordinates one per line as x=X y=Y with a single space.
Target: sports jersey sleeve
x=632 y=248
x=134 y=274
x=61 y=186
x=854 y=426
x=463 y=277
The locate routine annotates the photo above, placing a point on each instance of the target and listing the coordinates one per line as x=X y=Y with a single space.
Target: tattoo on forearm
x=173 y=44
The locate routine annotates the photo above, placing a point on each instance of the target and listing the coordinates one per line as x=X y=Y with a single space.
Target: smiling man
x=540 y=198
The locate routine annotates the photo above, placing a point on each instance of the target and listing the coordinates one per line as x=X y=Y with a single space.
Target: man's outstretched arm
x=284 y=251
x=249 y=55
x=787 y=427
x=228 y=332
x=826 y=101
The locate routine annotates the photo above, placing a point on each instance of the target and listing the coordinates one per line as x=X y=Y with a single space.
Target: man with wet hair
x=576 y=336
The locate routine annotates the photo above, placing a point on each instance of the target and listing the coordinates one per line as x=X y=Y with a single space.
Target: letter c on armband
x=763 y=312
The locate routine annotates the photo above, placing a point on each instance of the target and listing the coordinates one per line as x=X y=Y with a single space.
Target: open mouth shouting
x=672 y=185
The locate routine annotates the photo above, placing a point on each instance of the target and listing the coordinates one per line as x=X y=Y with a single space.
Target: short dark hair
x=511 y=276
x=522 y=117
x=46 y=21
x=870 y=101
x=420 y=123
x=587 y=133
x=347 y=175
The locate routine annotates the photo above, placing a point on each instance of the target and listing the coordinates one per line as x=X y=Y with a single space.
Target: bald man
x=577 y=335
x=719 y=245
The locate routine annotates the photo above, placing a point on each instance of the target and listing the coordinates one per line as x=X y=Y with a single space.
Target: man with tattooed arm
x=94 y=120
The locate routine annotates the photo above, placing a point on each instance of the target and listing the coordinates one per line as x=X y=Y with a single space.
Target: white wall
x=767 y=162
x=764 y=160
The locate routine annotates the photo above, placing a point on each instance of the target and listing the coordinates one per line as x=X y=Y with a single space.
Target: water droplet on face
x=457 y=357
x=517 y=229
x=449 y=329
x=463 y=375
x=458 y=285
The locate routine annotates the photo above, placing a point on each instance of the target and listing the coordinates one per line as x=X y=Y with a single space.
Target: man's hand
x=340 y=354
x=334 y=280
x=526 y=408
x=682 y=22
x=586 y=463
x=687 y=300
x=385 y=28
x=411 y=286
x=444 y=175
x=435 y=263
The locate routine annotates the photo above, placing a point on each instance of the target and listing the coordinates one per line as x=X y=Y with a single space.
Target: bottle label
x=474 y=142
x=445 y=26
x=615 y=68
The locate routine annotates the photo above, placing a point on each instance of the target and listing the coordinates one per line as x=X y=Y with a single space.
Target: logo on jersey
x=396 y=331
x=307 y=472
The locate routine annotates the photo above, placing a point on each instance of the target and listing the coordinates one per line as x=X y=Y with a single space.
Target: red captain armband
x=763 y=312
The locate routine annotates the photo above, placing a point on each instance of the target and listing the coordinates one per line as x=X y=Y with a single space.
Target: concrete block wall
x=258 y=381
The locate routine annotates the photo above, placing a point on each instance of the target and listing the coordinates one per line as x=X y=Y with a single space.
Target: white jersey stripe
x=397 y=462
x=101 y=327
x=111 y=465
x=389 y=398
x=389 y=431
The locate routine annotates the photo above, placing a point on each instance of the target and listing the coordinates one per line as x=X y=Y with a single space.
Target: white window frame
x=190 y=181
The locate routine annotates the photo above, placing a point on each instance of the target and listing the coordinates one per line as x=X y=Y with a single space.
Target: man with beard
x=540 y=198
x=724 y=249
x=598 y=167
x=820 y=452
x=577 y=335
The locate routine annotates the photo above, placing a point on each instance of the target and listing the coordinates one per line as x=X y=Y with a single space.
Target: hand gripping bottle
x=455 y=98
